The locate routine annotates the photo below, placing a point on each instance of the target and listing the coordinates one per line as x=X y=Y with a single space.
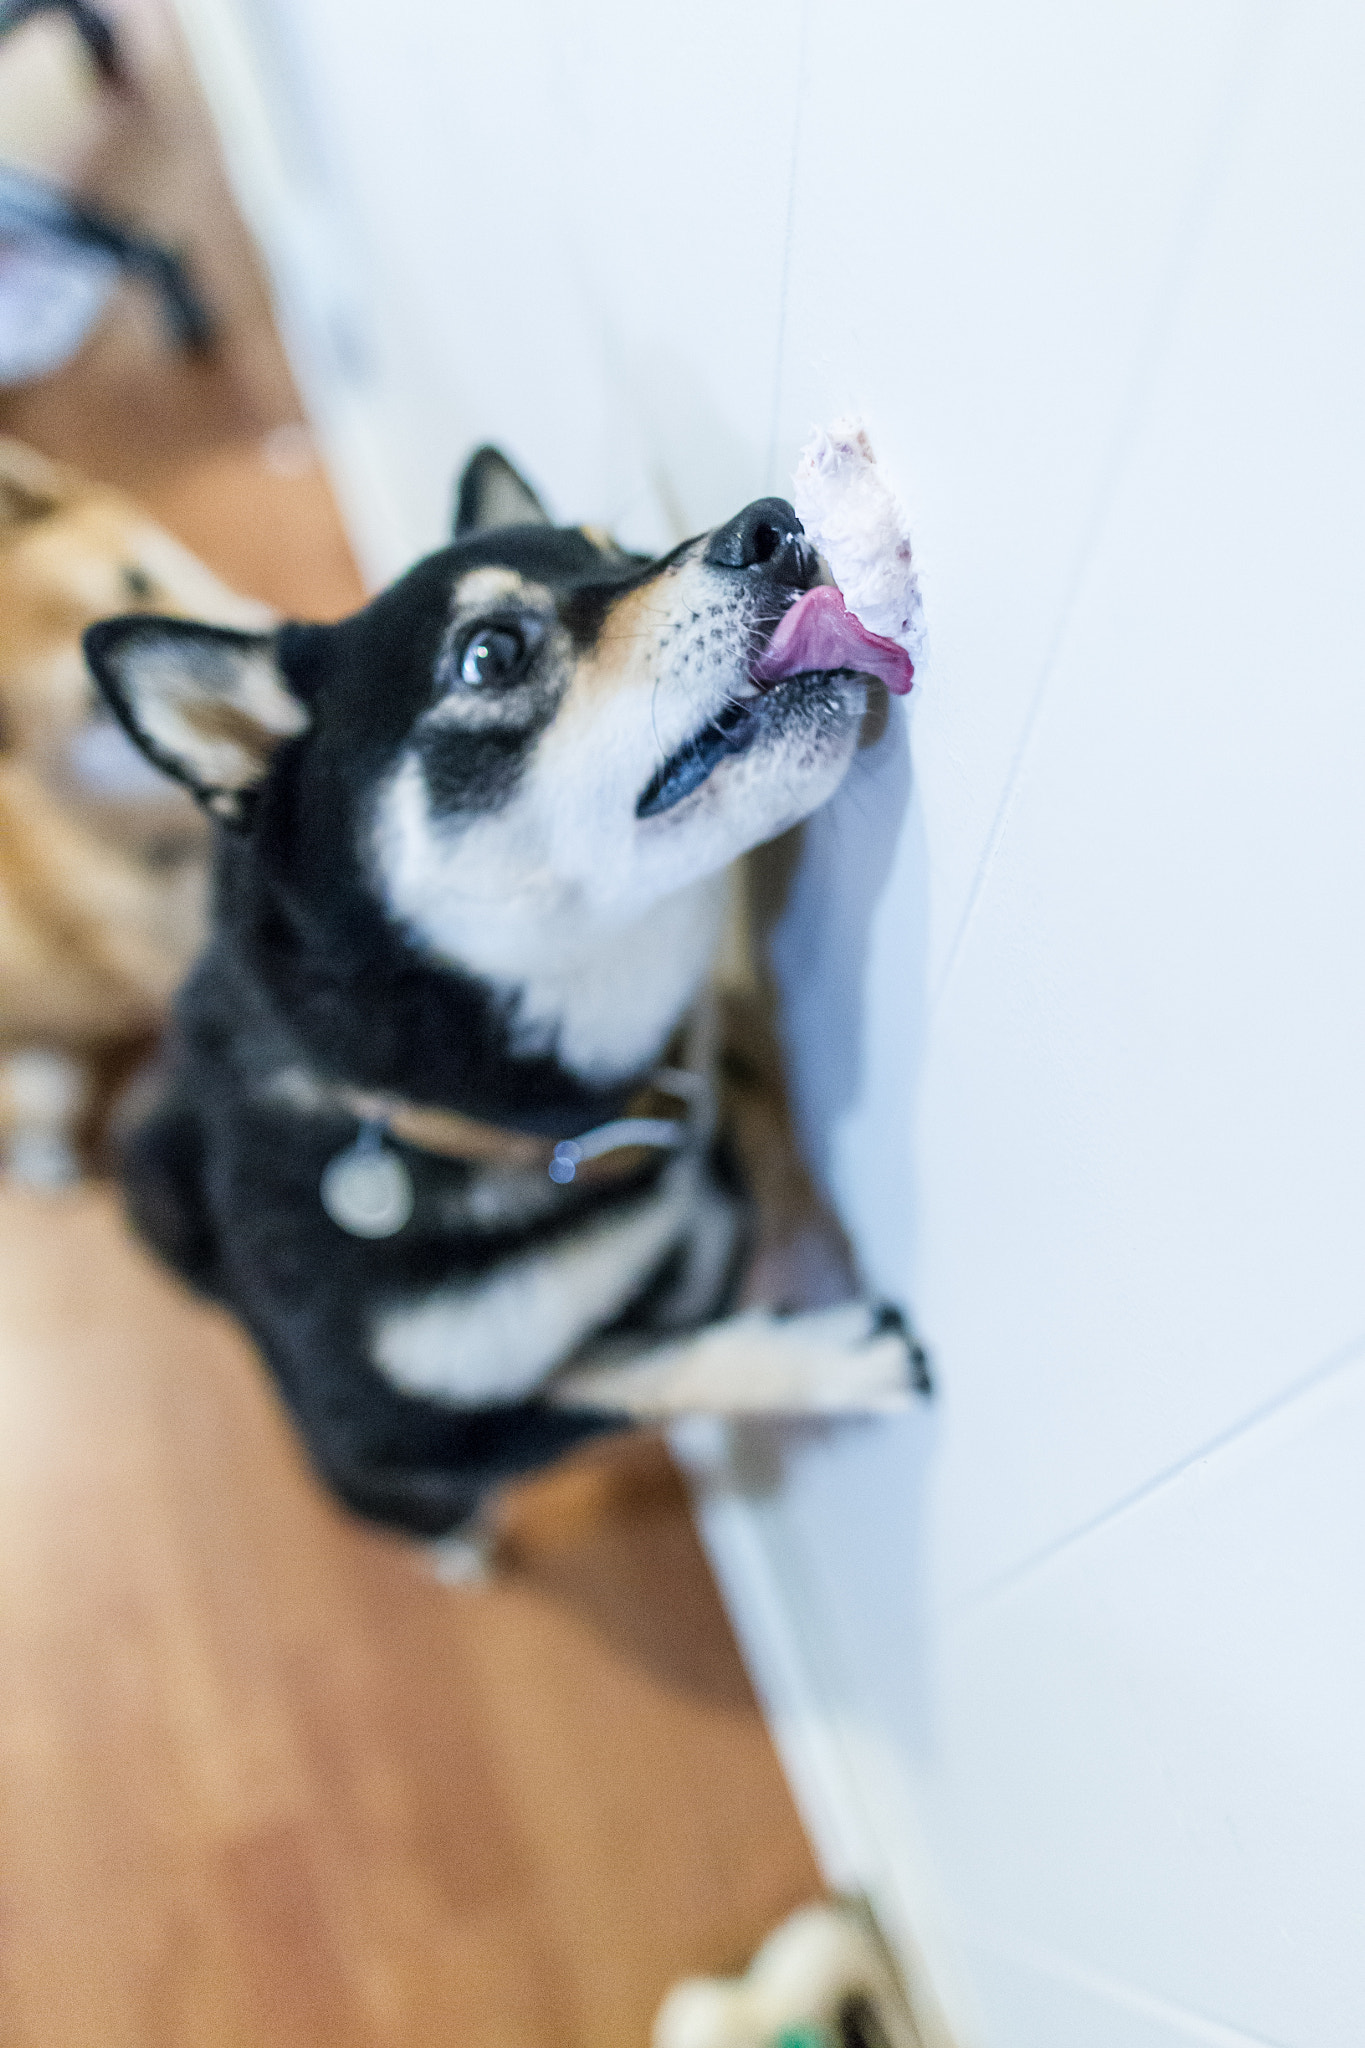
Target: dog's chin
x=790 y=765
x=793 y=726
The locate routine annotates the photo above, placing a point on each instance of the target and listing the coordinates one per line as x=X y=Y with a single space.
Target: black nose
x=765 y=535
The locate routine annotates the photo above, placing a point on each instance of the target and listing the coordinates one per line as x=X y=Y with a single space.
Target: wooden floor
x=264 y=1782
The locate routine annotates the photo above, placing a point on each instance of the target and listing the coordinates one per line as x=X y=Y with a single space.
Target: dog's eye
x=493 y=656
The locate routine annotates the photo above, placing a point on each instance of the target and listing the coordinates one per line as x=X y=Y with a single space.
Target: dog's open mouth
x=729 y=732
x=819 y=635
x=816 y=636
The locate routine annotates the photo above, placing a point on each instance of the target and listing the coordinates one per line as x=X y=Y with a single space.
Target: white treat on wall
x=853 y=516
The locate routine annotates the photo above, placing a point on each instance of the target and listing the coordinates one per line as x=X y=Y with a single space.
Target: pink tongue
x=818 y=632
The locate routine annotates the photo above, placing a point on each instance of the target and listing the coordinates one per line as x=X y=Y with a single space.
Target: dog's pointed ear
x=206 y=704
x=492 y=494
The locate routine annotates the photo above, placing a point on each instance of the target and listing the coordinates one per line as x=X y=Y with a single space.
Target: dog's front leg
x=857 y=1358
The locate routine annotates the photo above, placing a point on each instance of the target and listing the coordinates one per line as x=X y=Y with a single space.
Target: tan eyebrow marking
x=493 y=585
x=601 y=540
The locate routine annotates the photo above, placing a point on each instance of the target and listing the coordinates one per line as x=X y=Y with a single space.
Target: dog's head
x=530 y=739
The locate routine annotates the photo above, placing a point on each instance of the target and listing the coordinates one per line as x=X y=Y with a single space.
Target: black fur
x=305 y=971
x=227 y=1191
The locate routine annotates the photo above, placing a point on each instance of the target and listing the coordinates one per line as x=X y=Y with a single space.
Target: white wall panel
x=675 y=133
x=1142 y=1119
x=1034 y=2001
x=1150 y=1755
x=571 y=224
x=993 y=209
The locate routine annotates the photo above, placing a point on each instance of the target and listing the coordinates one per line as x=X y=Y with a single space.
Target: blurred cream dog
x=103 y=862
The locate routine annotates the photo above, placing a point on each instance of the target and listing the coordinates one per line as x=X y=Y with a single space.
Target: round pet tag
x=366 y=1189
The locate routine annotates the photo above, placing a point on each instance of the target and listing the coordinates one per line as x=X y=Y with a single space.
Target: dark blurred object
x=91 y=26
x=59 y=260
x=61 y=256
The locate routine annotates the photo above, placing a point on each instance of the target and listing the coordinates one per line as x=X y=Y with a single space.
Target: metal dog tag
x=366 y=1189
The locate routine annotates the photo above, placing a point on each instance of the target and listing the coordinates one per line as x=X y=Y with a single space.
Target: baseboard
x=852 y=1790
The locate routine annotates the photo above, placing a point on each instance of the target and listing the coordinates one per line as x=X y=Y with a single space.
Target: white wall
x=1075 y=1678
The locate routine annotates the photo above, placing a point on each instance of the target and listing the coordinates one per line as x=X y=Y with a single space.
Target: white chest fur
x=586 y=972
x=609 y=1010
x=496 y=1339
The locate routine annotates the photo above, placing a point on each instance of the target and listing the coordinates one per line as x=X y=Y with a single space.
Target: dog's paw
x=856 y=1358
x=863 y=1354
x=893 y=1321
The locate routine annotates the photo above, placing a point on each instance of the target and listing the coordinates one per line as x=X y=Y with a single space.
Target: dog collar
x=367 y=1188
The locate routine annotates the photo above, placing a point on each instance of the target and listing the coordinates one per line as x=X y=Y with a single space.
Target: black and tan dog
x=439 y=1123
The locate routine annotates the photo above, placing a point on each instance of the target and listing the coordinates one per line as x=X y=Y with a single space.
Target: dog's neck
x=558 y=1048
x=584 y=971
x=603 y=1002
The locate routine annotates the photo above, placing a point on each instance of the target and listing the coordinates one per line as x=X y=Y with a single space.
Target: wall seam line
x=788 y=240
x=1340 y=1361
x=1179 y=273
x=1169 y=2012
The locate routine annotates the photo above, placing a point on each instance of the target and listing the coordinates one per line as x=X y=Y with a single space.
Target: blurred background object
x=103 y=862
x=52 y=80
x=60 y=258
x=59 y=263
x=94 y=31
x=824 y=1979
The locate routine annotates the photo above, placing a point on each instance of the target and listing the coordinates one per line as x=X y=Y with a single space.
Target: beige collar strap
x=675 y=1111
x=446 y=1132
x=666 y=1115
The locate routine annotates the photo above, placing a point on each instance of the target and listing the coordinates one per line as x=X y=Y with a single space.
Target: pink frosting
x=819 y=632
